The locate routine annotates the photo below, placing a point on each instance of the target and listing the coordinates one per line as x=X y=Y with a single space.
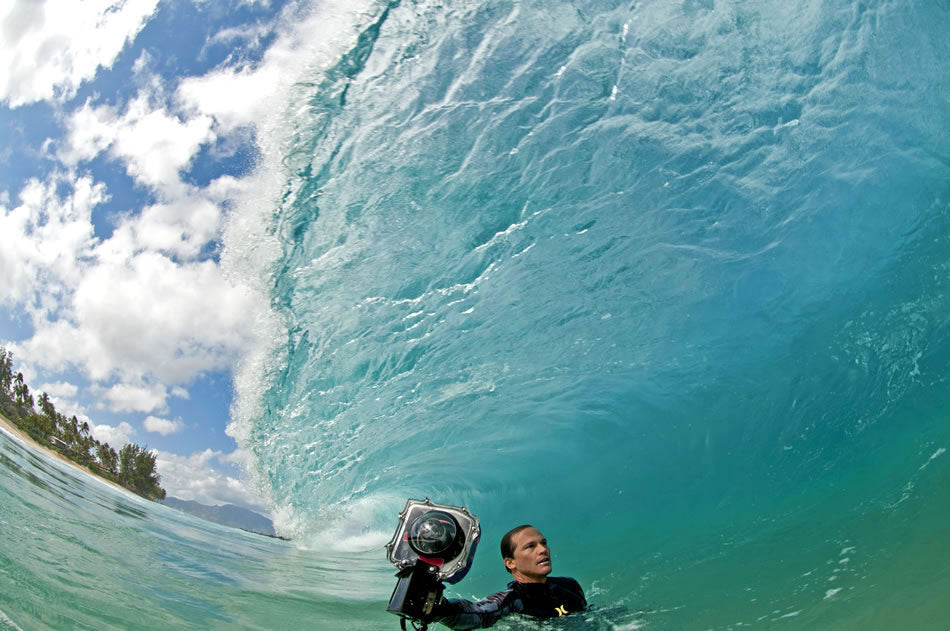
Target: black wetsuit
x=555 y=597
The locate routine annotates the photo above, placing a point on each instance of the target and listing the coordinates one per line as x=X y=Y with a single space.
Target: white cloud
x=135 y=310
x=238 y=456
x=50 y=47
x=117 y=437
x=89 y=132
x=156 y=145
x=44 y=239
x=142 y=62
x=181 y=228
x=153 y=143
x=61 y=390
x=177 y=320
x=124 y=397
x=163 y=426
x=236 y=97
x=196 y=478
x=241 y=38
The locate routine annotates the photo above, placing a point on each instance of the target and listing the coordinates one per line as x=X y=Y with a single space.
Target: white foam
x=831 y=592
x=6 y=624
x=935 y=455
x=498 y=236
x=306 y=45
x=781 y=125
x=349 y=527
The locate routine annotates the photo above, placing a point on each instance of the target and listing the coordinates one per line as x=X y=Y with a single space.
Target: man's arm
x=461 y=614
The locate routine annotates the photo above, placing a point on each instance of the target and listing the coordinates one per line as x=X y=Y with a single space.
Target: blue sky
x=132 y=136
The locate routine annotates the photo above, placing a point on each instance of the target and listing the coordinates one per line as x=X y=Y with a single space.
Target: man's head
x=526 y=554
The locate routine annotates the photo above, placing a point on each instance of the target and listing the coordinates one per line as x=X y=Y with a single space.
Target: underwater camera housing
x=432 y=543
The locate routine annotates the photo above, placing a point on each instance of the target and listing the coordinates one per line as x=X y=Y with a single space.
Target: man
x=527 y=558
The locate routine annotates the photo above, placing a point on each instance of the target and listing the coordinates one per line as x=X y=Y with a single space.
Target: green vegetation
x=132 y=466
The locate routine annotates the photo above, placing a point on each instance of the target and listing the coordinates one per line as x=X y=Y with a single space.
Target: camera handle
x=402 y=624
x=417 y=592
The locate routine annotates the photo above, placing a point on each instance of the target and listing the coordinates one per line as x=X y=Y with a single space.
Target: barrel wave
x=668 y=280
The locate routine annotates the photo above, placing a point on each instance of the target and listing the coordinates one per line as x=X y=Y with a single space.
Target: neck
x=525 y=578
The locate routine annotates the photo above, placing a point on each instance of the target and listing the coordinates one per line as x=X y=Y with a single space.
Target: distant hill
x=225 y=514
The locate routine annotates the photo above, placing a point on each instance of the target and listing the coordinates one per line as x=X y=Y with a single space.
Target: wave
x=660 y=277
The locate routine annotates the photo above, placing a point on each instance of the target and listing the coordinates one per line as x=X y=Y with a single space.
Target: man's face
x=532 y=557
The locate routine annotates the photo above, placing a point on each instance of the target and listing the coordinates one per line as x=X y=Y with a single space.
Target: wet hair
x=507 y=547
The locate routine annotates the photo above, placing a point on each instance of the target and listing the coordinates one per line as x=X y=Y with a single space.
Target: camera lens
x=434 y=534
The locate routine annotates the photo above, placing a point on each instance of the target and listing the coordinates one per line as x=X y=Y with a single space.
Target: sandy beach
x=7 y=426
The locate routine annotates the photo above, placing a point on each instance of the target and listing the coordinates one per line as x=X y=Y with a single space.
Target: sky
x=132 y=136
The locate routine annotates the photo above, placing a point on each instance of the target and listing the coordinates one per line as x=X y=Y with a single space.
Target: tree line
x=132 y=466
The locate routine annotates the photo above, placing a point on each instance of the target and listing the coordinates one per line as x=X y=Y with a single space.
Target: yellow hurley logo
x=561 y=611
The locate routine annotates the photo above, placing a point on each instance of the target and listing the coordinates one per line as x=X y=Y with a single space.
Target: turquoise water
x=76 y=553
x=666 y=279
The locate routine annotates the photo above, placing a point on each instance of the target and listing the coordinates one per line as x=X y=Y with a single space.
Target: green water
x=78 y=554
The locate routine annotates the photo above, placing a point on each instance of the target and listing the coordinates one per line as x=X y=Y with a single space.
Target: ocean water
x=666 y=279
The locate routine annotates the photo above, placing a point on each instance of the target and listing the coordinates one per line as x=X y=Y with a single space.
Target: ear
x=510 y=563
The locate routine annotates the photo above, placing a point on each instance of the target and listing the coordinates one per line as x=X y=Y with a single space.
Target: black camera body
x=433 y=543
x=417 y=592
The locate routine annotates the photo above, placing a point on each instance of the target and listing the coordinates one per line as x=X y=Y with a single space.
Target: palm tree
x=6 y=373
x=71 y=431
x=46 y=407
x=22 y=392
x=60 y=428
x=44 y=424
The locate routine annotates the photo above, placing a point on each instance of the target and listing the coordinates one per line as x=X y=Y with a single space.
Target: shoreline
x=8 y=427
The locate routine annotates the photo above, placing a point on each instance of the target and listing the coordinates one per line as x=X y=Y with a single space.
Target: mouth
x=544 y=563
